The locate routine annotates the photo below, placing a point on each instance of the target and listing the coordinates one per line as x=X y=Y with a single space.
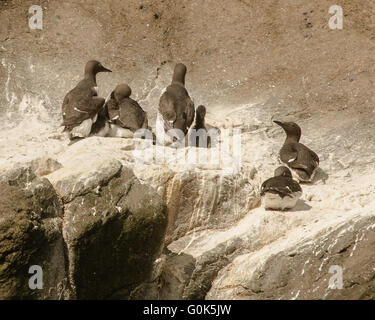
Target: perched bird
x=299 y=158
x=199 y=135
x=175 y=105
x=124 y=114
x=81 y=105
x=280 y=192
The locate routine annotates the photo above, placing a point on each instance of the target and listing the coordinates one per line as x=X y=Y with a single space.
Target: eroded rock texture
x=90 y=235
x=113 y=225
x=30 y=234
x=310 y=270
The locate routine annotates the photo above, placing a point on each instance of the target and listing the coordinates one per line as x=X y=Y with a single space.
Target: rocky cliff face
x=31 y=221
x=89 y=230
x=303 y=270
x=98 y=209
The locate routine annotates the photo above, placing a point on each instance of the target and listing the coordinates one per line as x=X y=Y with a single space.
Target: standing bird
x=299 y=158
x=280 y=192
x=175 y=105
x=124 y=113
x=199 y=138
x=81 y=105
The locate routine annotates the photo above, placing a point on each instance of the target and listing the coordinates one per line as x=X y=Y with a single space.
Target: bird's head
x=201 y=111
x=283 y=172
x=292 y=130
x=93 y=67
x=122 y=91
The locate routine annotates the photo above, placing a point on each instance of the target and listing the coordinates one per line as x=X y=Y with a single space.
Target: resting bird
x=280 y=192
x=81 y=105
x=300 y=159
x=198 y=138
x=175 y=105
x=124 y=112
x=122 y=116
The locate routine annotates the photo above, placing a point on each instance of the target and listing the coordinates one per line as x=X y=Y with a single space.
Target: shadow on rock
x=301 y=206
x=320 y=175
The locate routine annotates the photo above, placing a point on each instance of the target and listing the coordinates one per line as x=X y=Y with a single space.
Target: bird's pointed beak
x=103 y=69
x=278 y=123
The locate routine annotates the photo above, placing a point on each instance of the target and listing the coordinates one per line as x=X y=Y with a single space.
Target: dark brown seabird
x=299 y=158
x=122 y=116
x=81 y=105
x=200 y=124
x=175 y=104
x=125 y=112
x=280 y=192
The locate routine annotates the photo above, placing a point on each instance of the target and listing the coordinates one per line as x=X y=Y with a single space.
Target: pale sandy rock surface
x=299 y=265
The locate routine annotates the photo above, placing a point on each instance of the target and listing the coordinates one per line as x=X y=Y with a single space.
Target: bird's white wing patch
x=107 y=99
x=83 y=130
x=81 y=111
x=291 y=160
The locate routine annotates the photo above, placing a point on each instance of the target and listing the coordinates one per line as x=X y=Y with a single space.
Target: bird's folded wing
x=280 y=185
x=288 y=154
x=71 y=114
x=281 y=190
x=306 y=159
x=190 y=112
x=314 y=156
x=167 y=108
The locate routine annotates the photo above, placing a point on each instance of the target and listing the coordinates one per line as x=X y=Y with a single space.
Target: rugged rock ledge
x=88 y=227
x=307 y=269
x=96 y=213
x=30 y=234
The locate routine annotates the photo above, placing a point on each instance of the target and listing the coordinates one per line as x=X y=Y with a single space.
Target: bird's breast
x=273 y=201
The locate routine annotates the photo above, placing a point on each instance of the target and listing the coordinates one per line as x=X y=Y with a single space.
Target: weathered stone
x=206 y=270
x=177 y=272
x=18 y=175
x=206 y=200
x=44 y=166
x=81 y=177
x=113 y=227
x=30 y=234
x=198 y=198
x=309 y=270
